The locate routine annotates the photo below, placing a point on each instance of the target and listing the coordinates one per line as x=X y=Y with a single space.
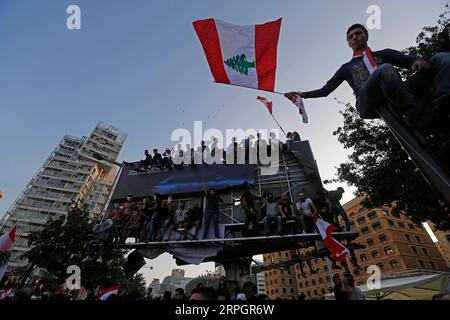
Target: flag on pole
x=107 y=292
x=337 y=250
x=266 y=102
x=298 y=101
x=240 y=55
x=6 y=293
x=6 y=245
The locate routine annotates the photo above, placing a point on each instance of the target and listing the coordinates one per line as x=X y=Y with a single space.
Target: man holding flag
x=374 y=80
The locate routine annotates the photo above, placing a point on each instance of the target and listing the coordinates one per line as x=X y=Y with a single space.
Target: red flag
x=337 y=250
x=266 y=102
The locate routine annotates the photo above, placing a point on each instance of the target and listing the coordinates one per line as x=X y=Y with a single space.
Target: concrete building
x=394 y=244
x=174 y=281
x=261 y=283
x=71 y=173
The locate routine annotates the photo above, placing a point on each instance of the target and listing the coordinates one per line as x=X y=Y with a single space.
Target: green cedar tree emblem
x=240 y=64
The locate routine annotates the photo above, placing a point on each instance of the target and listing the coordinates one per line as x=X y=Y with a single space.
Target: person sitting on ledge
x=375 y=81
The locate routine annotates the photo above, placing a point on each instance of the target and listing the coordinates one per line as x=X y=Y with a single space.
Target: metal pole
x=429 y=167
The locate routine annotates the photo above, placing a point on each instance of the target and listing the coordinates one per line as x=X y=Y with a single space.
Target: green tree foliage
x=62 y=242
x=240 y=64
x=377 y=165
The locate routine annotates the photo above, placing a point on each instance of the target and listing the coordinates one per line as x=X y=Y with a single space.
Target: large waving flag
x=241 y=55
x=337 y=250
x=6 y=245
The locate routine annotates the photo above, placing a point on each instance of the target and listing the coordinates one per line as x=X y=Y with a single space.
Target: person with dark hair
x=179 y=294
x=202 y=293
x=155 y=220
x=250 y=290
x=157 y=158
x=212 y=212
x=147 y=162
x=336 y=208
x=286 y=211
x=247 y=201
x=167 y=295
x=222 y=294
x=272 y=214
x=305 y=210
x=375 y=81
x=193 y=219
x=339 y=293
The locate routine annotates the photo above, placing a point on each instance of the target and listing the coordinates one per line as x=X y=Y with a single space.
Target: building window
x=377 y=225
x=285 y=254
x=375 y=254
x=382 y=237
x=300 y=284
x=407 y=237
x=316 y=292
x=325 y=268
x=421 y=264
x=418 y=239
x=388 y=250
x=323 y=291
x=313 y=281
x=364 y=230
x=425 y=251
x=306 y=283
x=276 y=281
x=372 y=215
x=361 y=220
x=308 y=293
x=381 y=266
x=276 y=290
x=394 y=264
x=401 y=225
x=411 y=226
x=390 y=222
x=352 y=224
x=432 y=265
x=284 y=290
x=282 y=280
x=328 y=278
x=414 y=250
x=320 y=280
x=292 y=290
x=290 y=281
x=370 y=242
x=356 y=272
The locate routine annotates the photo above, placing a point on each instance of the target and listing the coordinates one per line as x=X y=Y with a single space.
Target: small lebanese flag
x=5 y=293
x=337 y=250
x=6 y=245
x=240 y=55
x=108 y=292
x=298 y=101
x=266 y=102
x=368 y=60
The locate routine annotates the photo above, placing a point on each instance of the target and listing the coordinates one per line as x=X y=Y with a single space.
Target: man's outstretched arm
x=328 y=88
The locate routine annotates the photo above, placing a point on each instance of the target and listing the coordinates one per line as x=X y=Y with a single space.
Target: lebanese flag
x=368 y=60
x=108 y=292
x=337 y=250
x=244 y=56
x=6 y=245
x=266 y=102
x=298 y=101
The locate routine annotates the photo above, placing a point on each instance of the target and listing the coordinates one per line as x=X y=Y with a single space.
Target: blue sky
x=139 y=66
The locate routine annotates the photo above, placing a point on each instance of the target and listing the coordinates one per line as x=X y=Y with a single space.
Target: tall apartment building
x=394 y=244
x=69 y=174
